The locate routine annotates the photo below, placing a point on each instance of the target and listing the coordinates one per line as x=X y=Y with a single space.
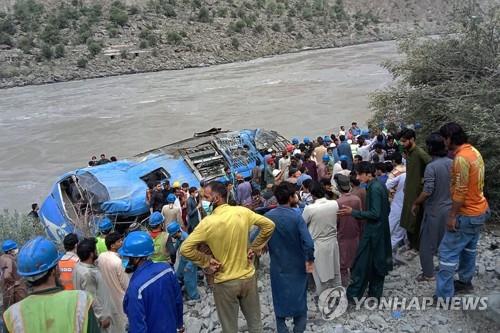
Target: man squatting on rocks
x=338 y=228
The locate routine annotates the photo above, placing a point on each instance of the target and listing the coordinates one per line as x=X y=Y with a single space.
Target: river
x=50 y=129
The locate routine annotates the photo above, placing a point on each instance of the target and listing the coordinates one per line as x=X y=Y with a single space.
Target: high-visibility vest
x=101 y=245
x=160 y=244
x=66 y=267
x=63 y=311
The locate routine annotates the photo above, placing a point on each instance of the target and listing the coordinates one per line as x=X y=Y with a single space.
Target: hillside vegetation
x=47 y=41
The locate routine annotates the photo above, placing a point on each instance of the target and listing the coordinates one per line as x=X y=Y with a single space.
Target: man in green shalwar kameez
x=374 y=256
x=416 y=160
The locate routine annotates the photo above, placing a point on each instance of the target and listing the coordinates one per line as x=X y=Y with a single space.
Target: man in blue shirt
x=292 y=257
x=344 y=148
x=153 y=300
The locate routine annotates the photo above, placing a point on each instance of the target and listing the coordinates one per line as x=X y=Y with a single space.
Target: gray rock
x=193 y=325
x=378 y=320
x=406 y=328
x=441 y=319
x=497 y=267
x=481 y=269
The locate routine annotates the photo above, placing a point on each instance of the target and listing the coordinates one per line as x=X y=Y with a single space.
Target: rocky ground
x=46 y=41
x=202 y=317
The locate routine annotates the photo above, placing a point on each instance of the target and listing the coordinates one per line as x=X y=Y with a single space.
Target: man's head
x=342 y=128
x=407 y=138
x=378 y=148
x=317 y=190
x=185 y=187
x=397 y=158
x=343 y=165
x=166 y=184
x=34 y=207
x=158 y=187
x=353 y=178
x=320 y=141
x=87 y=250
x=365 y=172
x=306 y=185
x=361 y=140
x=390 y=140
x=379 y=168
x=137 y=247
x=94 y=158
x=357 y=159
x=286 y=195
x=255 y=194
x=70 y=241
x=103 y=156
x=114 y=241
x=454 y=135
x=354 y=124
x=113 y=159
x=342 y=138
x=436 y=145
x=343 y=183
x=216 y=193
x=193 y=191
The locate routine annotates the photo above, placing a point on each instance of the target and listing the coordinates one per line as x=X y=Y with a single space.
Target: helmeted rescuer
x=160 y=238
x=105 y=227
x=65 y=310
x=68 y=261
x=153 y=301
x=13 y=287
x=186 y=271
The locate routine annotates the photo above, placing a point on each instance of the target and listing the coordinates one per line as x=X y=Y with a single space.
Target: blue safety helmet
x=156 y=219
x=173 y=228
x=343 y=158
x=37 y=256
x=307 y=140
x=326 y=158
x=295 y=141
x=171 y=198
x=418 y=125
x=105 y=225
x=365 y=132
x=8 y=245
x=327 y=139
x=137 y=244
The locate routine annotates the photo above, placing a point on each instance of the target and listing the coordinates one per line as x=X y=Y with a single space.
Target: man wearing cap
x=243 y=191
x=68 y=261
x=170 y=211
x=344 y=149
x=348 y=228
x=65 y=310
x=105 y=227
x=113 y=274
x=186 y=270
x=153 y=301
x=13 y=287
x=159 y=237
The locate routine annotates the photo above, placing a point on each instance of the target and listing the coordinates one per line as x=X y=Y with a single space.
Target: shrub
x=280 y=9
x=5 y=39
x=195 y=4
x=28 y=12
x=118 y=14
x=84 y=33
x=307 y=13
x=169 y=10
x=7 y=25
x=235 y=42
x=124 y=54
x=143 y=44
x=18 y=227
x=47 y=51
x=271 y=8
x=276 y=27
x=25 y=44
x=259 y=28
x=338 y=12
x=113 y=31
x=174 y=38
x=134 y=10
x=292 y=12
x=154 y=53
x=250 y=20
x=261 y=3
x=94 y=48
x=290 y=26
x=238 y=26
x=82 y=63
x=222 y=12
x=59 y=51
x=204 y=15
x=50 y=35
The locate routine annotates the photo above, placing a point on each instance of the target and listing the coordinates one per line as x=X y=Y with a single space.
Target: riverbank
x=74 y=43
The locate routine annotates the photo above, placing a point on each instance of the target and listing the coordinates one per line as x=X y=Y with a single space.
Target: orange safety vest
x=66 y=267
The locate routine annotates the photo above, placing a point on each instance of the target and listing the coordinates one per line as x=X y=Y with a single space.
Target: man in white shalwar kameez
x=321 y=219
x=398 y=233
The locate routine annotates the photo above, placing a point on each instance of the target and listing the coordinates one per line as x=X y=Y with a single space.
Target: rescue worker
x=105 y=227
x=65 y=310
x=186 y=271
x=68 y=261
x=153 y=301
x=160 y=238
x=13 y=287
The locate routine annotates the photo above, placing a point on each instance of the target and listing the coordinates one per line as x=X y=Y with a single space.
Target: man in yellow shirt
x=226 y=233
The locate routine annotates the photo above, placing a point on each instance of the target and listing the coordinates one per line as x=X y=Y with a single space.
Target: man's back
x=348 y=226
x=114 y=276
x=321 y=217
x=171 y=214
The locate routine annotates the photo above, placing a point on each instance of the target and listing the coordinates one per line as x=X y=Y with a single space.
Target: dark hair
x=218 y=188
x=320 y=140
x=407 y=134
x=317 y=190
x=366 y=167
x=397 y=157
x=436 y=145
x=113 y=159
x=360 y=139
x=326 y=182
x=166 y=182
x=255 y=192
x=291 y=172
x=343 y=164
x=354 y=123
x=33 y=206
x=333 y=137
x=342 y=137
x=389 y=138
x=283 y=192
x=358 y=157
x=103 y=155
x=380 y=166
x=70 y=241
x=192 y=189
x=85 y=248
x=380 y=137
x=185 y=185
x=307 y=183
x=388 y=166
x=352 y=178
x=112 y=238
x=454 y=132
x=378 y=146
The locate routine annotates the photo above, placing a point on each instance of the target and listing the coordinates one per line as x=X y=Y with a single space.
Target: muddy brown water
x=50 y=129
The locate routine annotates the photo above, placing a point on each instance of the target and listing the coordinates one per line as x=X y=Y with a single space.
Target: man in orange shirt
x=468 y=214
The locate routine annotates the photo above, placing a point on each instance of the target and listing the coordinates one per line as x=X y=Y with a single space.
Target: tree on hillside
x=451 y=78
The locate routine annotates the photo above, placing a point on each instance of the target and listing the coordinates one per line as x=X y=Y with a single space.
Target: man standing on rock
x=321 y=219
x=469 y=212
x=13 y=287
x=373 y=259
x=226 y=232
x=292 y=256
x=416 y=160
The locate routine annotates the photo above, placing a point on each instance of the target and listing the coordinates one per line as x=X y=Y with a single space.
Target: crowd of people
x=103 y=160
x=340 y=209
